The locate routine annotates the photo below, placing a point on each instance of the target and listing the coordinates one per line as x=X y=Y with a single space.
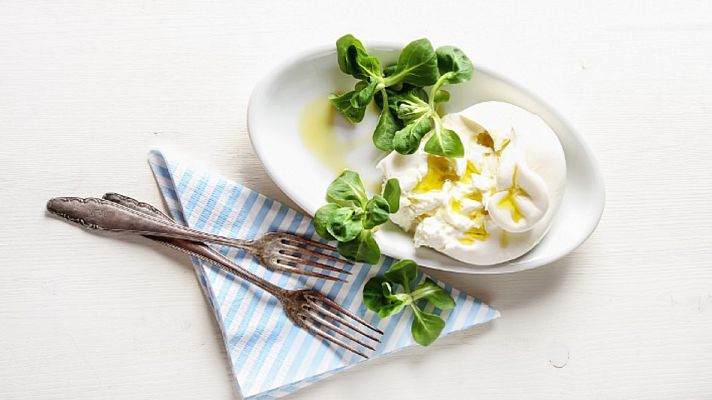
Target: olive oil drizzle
x=509 y=201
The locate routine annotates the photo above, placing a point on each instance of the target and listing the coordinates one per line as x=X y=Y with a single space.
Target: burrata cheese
x=495 y=203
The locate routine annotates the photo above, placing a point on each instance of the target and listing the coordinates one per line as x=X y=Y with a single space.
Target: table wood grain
x=87 y=88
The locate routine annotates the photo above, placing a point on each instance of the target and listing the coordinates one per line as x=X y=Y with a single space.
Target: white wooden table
x=87 y=88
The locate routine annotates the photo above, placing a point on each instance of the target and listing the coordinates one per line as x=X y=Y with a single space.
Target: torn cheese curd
x=495 y=203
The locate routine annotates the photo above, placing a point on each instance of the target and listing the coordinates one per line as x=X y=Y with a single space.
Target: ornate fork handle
x=100 y=214
x=197 y=249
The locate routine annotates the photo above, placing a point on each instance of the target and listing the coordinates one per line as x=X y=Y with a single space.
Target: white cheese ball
x=495 y=203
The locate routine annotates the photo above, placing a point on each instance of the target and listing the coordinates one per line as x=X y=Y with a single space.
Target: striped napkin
x=271 y=357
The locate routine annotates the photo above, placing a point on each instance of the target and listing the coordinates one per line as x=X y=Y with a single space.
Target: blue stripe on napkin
x=271 y=357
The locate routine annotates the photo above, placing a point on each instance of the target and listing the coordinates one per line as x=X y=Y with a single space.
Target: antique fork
x=275 y=250
x=301 y=306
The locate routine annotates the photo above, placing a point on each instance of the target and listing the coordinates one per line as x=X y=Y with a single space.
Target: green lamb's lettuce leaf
x=344 y=224
x=389 y=70
x=377 y=211
x=322 y=218
x=361 y=249
x=411 y=104
x=407 y=140
x=397 y=301
x=373 y=297
x=353 y=104
x=392 y=192
x=379 y=295
x=403 y=273
x=426 y=327
x=347 y=190
x=344 y=47
x=453 y=64
x=399 y=88
x=385 y=130
x=417 y=65
x=407 y=94
x=445 y=142
x=349 y=217
x=343 y=104
x=441 y=96
x=361 y=98
x=353 y=59
x=369 y=66
x=434 y=294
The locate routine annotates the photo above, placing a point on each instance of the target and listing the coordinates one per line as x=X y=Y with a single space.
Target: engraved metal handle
x=197 y=249
x=100 y=214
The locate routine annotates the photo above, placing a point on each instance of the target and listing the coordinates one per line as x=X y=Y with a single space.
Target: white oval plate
x=279 y=100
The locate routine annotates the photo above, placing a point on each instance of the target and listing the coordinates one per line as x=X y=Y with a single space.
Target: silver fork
x=303 y=307
x=275 y=250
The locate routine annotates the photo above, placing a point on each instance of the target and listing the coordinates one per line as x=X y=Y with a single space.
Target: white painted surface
x=86 y=88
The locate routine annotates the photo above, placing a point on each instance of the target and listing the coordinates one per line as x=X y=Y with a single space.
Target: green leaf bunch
x=390 y=294
x=408 y=112
x=350 y=217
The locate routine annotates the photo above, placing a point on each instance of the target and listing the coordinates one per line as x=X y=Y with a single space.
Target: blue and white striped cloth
x=270 y=356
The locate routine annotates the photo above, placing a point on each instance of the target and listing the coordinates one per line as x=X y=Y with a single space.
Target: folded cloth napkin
x=270 y=356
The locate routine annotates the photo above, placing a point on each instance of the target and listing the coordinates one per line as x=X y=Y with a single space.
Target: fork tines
x=295 y=251
x=324 y=318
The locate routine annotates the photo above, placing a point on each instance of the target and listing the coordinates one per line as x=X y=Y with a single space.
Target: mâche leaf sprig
x=408 y=113
x=381 y=295
x=350 y=216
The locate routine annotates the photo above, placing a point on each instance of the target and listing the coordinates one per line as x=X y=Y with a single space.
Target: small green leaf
x=403 y=272
x=385 y=130
x=360 y=85
x=321 y=219
x=394 y=307
x=411 y=104
x=391 y=96
x=408 y=94
x=415 y=93
x=373 y=296
x=392 y=192
x=393 y=295
x=343 y=44
x=390 y=70
x=453 y=64
x=347 y=190
x=344 y=224
x=343 y=104
x=378 y=298
x=433 y=293
x=407 y=140
x=441 y=96
x=445 y=143
x=417 y=65
x=377 y=211
x=347 y=48
x=426 y=327
x=361 y=249
x=361 y=98
x=396 y=301
x=369 y=66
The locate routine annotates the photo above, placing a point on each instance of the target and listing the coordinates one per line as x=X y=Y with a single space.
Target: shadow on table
x=510 y=291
